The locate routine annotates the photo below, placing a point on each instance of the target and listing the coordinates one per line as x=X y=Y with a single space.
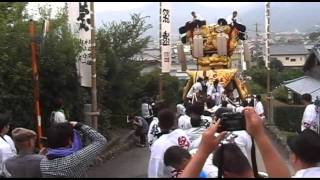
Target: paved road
x=130 y=164
x=134 y=164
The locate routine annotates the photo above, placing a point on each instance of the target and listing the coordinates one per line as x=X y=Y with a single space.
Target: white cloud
x=99 y=6
x=230 y=5
x=32 y=7
x=119 y=6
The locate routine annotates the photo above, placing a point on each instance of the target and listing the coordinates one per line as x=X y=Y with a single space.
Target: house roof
x=288 y=49
x=313 y=58
x=304 y=84
x=316 y=51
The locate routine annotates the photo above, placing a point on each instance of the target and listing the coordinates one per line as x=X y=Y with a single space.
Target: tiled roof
x=288 y=49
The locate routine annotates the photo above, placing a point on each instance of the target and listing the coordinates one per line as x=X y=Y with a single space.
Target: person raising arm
x=208 y=143
x=273 y=162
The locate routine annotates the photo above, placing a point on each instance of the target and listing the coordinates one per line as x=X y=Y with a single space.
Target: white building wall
x=291 y=60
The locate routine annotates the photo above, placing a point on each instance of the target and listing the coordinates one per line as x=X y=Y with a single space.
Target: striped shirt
x=76 y=164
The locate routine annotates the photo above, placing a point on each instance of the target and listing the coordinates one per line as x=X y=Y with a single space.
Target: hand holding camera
x=209 y=139
x=254 y=123
x=231 y=121
x=247 y=120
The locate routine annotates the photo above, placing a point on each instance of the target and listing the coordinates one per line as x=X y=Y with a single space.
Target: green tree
x=277 y=65
x=57 y=68
x=172 y=87
x=117 y=43
x=57 y=72
x=314 y=36
x=15 y=65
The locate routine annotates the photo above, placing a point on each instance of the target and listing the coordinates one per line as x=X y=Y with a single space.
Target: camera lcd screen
x=232 y=122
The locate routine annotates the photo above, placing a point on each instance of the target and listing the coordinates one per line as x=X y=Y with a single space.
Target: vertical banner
x=165 y=34
x=80 y=25
x=268 y=35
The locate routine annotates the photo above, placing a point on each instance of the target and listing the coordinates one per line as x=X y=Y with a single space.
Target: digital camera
x=231 y=121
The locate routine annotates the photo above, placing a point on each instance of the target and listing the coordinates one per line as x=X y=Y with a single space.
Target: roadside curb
x=115 y=146
x=278 y=137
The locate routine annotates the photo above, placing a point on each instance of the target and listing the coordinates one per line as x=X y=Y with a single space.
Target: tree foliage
x=117 y=43
x=120 y=84
x=57 y=68
x=278 y=74
x=277 y=65
x=15 y=64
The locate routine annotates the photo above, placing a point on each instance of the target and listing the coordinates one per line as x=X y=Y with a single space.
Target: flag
x=80 y=25
x=165 y=36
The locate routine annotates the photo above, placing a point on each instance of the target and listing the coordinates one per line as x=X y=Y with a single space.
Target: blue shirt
x=203 y=175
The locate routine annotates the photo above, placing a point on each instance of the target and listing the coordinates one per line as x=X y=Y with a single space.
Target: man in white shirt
x=146 y=110
x=153 y=131
x=215 y=91
x=181 y=110
x=305 y=154
x=57 y=115
x=259 y=107
x=184 y=120
x=233 y=18
x=244 y=142
x=235 y=21
x=7 y=147
x=196 y=88
x=196 y=16
x=196 y=131
x=309 y=119
x=178 y=137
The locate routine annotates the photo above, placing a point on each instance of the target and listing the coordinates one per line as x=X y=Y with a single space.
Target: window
x=293 y=60
x=287 y=58
x=300 y=58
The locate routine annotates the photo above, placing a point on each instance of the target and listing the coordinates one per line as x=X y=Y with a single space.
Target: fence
x=288 y=117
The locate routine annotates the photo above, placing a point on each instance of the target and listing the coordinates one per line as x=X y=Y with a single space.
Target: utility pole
x=35 y=78
x=257 y=36
x=257 y=32
x=256 y=24
x=95 y=113
x=267 y=60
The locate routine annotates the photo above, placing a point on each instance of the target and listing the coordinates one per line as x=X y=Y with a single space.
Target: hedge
x=288 y=118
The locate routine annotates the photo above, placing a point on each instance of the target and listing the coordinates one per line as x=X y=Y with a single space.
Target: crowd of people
x=186 y=143
x=68 y=149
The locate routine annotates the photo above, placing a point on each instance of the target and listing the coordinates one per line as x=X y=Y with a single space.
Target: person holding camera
x=275 y=165
x=234 y=162
x=238 y=135
x=66 y=155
